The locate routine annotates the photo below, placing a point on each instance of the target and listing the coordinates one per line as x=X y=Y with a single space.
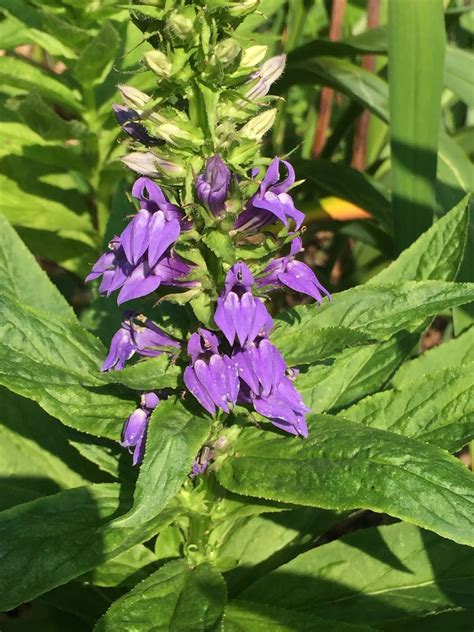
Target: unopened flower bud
x=267 y=74
x=133 y=97
x=177 y=136
x=212 y=186
x=253 y=55
x=243 y=8
x=257 y=127
x=227 y=51
x=159 y=63
x=182 y=25
x=149 y=164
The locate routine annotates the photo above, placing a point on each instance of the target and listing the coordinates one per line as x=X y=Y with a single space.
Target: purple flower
x=136 y=426
x=126 y=118
x=211 y=377
x=266 y=386
x=201 y=462
x=296 y=275
x=239 y=313
x=271 y=202
x=144 y=338
x=154 y=228
x=212 y=186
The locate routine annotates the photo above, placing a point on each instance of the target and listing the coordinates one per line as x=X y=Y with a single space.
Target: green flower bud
x=257 y=127
x=182 y=24
x=133 y=98
x=227 y=51
x=179 y=136
x=241 y=9
x=253 y=55
x=159 y=63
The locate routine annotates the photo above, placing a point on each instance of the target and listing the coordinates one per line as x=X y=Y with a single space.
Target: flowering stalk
x=201 y=192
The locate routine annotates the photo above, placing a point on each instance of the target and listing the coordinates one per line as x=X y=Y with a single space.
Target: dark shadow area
x=26 y=418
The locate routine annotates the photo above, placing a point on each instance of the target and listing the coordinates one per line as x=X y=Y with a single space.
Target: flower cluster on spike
x=211 y=217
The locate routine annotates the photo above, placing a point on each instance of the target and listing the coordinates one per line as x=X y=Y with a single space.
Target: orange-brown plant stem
x=327 y=94
x=361 y=133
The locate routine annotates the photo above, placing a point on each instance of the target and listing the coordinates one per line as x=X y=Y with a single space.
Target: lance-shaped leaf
x=345 y=465
x=48 y=542
x=396 y=574
x=453 y=354
x=439 y=410
x=174 y=598
x=21 y=276
x=353 y=373
x=243 y=616
x=376 y=311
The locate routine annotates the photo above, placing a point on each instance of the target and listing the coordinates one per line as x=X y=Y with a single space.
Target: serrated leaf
x=95 y=61
x=345 y=465
x=174 y=598
x=353 y=373
x=243 y=616
x=395 y=574
x=21 y=276
x=436 y=254
x=453 y=354
x=438 y=410
x=149 y=374
x=31 y=211
x=376 y=311
x=21 y=74
x=48 y=542
x=221 y=245
x=125 y=570
x=41 y=118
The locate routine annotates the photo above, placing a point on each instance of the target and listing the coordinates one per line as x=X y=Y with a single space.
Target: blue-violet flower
x=136 y=426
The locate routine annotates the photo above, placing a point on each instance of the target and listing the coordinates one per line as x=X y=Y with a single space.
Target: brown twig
x=359 y=147
x=327 y=94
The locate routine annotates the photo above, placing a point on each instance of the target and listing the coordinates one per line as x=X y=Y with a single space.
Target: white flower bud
x=159 y=63
x=133 y=97
x=149 y=164
x=258 y=126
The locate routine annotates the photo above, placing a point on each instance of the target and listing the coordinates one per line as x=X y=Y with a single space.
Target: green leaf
x=64 y=377
x=96 y=59
x=353 y=373
x=174 y=438
x=21 y=276
x=458 y=73
x=371 y=41
x=345 y=465
x=454 y=353
x=33 y=452
x=66 y=395
x=21 y=74
x=253 y=547
x=438 y=410
x=125 y=570
x=220 y=244
x=375 y=311
x=41 y=118
x=174 y=598
x=416 y=47
x=244 y=616
x=31 y=211
x=48 y=542
x=436 y=254
x=359 y=84
x=394 y=574
x=149 y=374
